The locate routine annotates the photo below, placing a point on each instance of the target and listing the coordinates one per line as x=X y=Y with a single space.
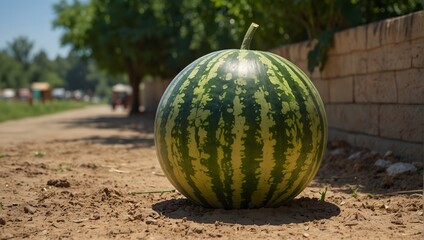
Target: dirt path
x=92 y=173
x=74 y=124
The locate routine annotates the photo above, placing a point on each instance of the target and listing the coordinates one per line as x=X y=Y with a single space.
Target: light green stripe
x=198 y=119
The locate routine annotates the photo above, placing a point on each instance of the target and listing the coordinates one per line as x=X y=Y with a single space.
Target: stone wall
x=151 y=92
x=373 y=84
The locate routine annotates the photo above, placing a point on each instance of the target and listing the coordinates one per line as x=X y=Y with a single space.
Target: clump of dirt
x=60 y=183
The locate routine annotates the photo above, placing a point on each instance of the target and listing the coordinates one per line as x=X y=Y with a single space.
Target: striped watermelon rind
x=240 y=129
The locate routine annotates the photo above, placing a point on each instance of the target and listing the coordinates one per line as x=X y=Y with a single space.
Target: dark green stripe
x=279 y=131
x=222 y=187
x=160 y=131
x=306 y=139
x=253 y=149
x=318 y=104
x=318 y=154
x=179 y=132
x=313 y=168
x=182 y=124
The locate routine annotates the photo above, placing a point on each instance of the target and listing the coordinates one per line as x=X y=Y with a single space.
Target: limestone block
x=359 y=62
x=410 y=86
x=396 y=30
x=342 y=41
x=375 y=60
x=341 y=90
x=359 y=39
x=417 y=51
x=377 y=87
x=403 y=122
x=294 y=52
x=353 y=39
x=338 y=66
x=373 y=35
x=398 y=56
x=390 y=57
x=322 y=87
x=418 y=25
x=361 y=118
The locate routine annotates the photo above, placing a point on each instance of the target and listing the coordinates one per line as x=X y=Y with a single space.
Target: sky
x=32 y=19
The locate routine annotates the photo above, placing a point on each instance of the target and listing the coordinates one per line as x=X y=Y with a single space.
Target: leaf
x=318 y=56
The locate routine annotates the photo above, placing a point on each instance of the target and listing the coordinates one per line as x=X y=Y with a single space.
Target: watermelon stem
x=245 y=45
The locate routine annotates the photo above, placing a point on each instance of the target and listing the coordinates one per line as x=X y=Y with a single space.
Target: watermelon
x=240 y=128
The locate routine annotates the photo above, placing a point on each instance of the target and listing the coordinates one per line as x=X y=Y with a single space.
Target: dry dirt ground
x=93 y=174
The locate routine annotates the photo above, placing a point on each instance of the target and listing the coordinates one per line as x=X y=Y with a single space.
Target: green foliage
x=39 y=154
x=318 y=56
x=11 y=110
x=159 y=38
x=11 y=72
x=354 y=192
x=323 y=193
x=43 y=70
x=4 y=154
x=71 y=72
x=288 y=21
x=20 y=49
x=101 y=80
x=122 y=36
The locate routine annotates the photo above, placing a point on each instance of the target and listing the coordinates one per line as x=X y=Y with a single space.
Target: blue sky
x=33 y=19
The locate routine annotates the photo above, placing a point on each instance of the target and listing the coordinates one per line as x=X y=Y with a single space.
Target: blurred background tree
x=142 y=37
x=127 y=40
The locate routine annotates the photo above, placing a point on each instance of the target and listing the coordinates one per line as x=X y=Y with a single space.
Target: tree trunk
x=134 y=75
x=135 y=99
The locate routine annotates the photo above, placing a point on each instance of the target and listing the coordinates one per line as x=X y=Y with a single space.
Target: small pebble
x=150 y=220
x=95 y=216
x=382 y=163
x=29 y=209
x=399 y=168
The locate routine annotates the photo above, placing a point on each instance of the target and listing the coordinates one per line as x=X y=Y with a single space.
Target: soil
x=93 y=174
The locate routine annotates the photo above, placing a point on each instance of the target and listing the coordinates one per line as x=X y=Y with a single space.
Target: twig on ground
x=419 y=191
x=80 y=220
x=158 y=174
x=153 y=191
x=118 y=171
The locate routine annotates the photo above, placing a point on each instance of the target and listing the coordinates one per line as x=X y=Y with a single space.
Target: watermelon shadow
x=299 y=210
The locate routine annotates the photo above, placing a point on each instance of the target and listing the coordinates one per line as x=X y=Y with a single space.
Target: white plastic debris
x=355 y=156
x=337 y=151
x=388 y=154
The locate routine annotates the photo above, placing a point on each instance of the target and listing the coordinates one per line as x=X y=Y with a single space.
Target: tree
x=122 y=36
x=20 y=48
x=140 y=38
x=288 y=21
x=102 y=81
x=11 y=73
x=42 y=70
x=159 y=38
